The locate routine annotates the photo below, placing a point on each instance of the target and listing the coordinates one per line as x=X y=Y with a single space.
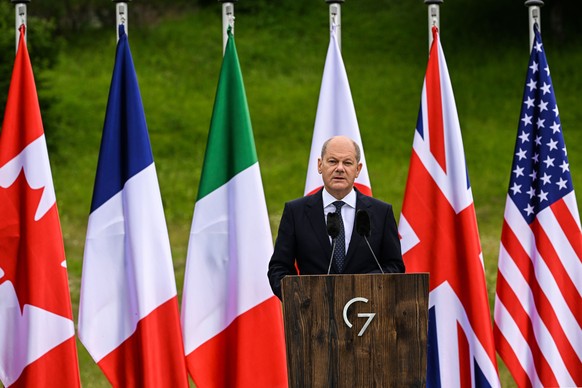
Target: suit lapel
x=314 y=212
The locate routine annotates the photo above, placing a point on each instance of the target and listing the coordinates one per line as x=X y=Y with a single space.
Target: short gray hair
x=356 y=147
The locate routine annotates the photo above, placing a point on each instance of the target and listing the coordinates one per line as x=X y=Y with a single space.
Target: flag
x=336 y=116
x=439 y=235
x=37 y=334
x=128 y=311
x=232 y=322
x=538 y=302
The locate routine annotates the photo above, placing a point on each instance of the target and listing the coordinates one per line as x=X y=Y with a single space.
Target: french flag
x=128 y=311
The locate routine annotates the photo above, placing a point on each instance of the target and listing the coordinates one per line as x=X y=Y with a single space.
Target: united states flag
x=538 y=304
x=439 y=235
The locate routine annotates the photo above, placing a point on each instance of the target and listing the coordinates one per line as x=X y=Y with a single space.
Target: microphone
x=333 y=225
x=333 y=229
x=363 y=228
x=363 y=223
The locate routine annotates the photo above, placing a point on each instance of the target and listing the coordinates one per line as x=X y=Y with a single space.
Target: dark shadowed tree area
x=43 y=46
x=476 y=23
x=74 y=15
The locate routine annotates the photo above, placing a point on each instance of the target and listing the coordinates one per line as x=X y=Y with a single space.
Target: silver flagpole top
x=335 y=18
x=20 y=16
x=227 y=20
x=434 y=17
x=121 y=15
x=534 y=18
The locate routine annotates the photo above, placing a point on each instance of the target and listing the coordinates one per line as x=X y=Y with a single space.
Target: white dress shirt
x=348 y=212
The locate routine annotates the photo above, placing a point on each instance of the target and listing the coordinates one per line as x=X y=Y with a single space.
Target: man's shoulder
x=371 y=201
x=306 y=200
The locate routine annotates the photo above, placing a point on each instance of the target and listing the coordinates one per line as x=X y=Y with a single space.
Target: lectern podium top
x=356 y=330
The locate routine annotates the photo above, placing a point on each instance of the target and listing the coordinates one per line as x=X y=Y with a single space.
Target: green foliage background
x=177 y=50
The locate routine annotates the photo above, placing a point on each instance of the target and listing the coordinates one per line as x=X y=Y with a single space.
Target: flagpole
x=434 y=17
x=227 y=20
x=534 y=18
x=121 y=15
x=20 y=18
x=335 y=17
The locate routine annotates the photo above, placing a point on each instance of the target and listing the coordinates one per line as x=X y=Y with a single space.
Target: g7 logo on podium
x=360 y=315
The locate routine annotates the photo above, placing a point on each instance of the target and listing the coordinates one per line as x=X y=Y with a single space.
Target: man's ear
x=319 y=163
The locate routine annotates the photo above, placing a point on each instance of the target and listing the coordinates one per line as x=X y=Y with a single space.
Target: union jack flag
x=538 y=303
x=439 y=235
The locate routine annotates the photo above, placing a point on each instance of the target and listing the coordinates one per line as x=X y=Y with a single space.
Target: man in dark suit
x=303 y=242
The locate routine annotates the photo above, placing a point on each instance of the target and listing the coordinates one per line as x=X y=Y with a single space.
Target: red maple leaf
x=31 y=252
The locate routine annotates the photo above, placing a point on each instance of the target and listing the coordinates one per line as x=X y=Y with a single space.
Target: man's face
x=339 y=167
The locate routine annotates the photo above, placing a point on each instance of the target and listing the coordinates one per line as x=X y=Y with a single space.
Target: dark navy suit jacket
x=303 y=239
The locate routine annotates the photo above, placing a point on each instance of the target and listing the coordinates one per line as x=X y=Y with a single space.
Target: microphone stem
x=371 y=250
x=331 y=259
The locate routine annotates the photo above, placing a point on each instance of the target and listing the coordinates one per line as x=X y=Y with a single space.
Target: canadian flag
x=37 y=343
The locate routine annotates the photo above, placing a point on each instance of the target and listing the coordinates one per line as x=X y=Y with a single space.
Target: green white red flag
x=232 y=322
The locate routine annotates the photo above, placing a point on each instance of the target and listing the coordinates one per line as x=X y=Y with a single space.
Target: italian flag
x=232 y=322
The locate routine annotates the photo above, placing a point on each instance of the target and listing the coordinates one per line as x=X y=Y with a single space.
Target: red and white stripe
x=538 y=306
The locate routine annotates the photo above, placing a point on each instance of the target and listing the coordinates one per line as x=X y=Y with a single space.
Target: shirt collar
x=349 y=199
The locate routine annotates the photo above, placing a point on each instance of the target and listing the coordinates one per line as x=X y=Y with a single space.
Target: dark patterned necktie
x=339 y=255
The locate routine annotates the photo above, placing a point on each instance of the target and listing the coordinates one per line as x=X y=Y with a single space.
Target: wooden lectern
x=356 y=330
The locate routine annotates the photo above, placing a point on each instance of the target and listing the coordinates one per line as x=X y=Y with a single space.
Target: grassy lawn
x=282 y=50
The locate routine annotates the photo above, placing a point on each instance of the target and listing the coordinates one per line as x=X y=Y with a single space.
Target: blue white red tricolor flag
x=439 y=235
x=538 y=303
x=37 y=334
x=336 y=115
x=128 y=312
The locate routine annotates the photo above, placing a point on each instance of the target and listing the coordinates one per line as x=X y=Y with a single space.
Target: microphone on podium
x=363 y=228
x=333 y=229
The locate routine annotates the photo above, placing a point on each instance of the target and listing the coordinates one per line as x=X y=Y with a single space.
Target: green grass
x=282 y=47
